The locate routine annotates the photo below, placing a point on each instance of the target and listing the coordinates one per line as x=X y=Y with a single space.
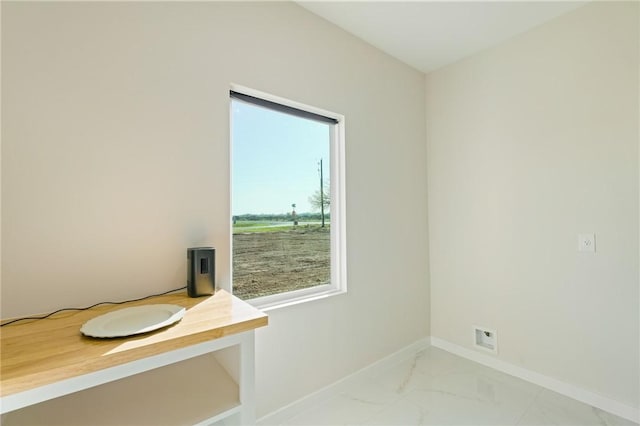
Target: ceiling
x=431 y=34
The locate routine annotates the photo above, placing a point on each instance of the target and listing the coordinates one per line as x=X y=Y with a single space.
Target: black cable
x=89 y=307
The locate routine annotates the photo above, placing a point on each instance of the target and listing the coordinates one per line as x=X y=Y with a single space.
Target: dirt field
x=265 y=263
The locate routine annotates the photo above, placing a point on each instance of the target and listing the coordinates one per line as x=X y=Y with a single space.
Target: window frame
x=337 y=208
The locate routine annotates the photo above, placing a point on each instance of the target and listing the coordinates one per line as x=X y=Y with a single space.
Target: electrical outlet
x=587 y=243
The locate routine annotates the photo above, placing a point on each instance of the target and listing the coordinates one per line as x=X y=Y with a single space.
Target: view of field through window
x=280 y=201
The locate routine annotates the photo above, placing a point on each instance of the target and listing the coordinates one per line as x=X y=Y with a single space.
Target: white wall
x=529 y=144
x=115 y=160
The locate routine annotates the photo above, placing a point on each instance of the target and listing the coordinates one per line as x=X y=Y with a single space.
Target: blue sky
x=275 y=160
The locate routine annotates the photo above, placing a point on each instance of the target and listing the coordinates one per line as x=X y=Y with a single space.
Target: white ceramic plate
x=134 y=320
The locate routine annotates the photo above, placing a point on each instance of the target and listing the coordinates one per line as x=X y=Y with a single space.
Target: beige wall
x=530 y=144
x=115 y=147
x=111 y=112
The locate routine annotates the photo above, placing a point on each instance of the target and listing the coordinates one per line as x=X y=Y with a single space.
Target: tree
x=315 y=202
x=320 y=199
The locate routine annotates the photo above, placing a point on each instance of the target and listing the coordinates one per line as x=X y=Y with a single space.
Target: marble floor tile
x=551 y=408
x=472 y=398
x=436 y=362
x=401 y=412
x=438 y=388
x=401 y=378
x=372 y=392
x=347 y=408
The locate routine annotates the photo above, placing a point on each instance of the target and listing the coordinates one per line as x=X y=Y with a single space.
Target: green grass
x=248 y=223
x=256 y=227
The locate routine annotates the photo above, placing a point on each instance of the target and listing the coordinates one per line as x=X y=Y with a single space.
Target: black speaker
x=201 y=271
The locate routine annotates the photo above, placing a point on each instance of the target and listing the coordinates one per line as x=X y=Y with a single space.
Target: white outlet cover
x=587 y=243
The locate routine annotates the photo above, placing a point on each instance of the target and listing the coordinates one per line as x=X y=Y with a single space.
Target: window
x=287 y=200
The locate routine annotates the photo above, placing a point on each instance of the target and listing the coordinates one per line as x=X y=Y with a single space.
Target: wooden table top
x=41 y=352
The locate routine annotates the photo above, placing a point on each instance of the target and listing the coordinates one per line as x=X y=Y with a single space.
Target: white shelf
x=195 y=391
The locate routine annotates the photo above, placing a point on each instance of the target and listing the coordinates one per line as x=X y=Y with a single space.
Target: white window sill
x=277 y=301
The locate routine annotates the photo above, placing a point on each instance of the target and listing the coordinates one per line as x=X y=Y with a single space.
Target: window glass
x=281 y=201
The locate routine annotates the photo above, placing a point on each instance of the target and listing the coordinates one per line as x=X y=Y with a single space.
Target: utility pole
x=321 y=195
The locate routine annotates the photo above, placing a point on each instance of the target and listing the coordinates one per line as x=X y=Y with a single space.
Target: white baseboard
x=309 y=401
x=577 y=393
